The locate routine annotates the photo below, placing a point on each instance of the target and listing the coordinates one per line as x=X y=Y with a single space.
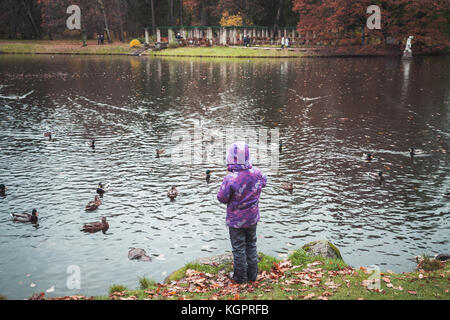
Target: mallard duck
x=208 y=175
x=378 y=176
x=26 y=217
x=413 y=152
x=93 y=144
x=172 y=193
x=93 y=205
x=280 y=146
x=101 y=189
x=3 y=189
x=49 y=135
x=287 y=186
x=93 y=227
x=159 y=151
x=369 y=157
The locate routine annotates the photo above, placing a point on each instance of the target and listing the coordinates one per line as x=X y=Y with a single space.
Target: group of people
x=100 y=38
x=285 y=43
x=246 y=40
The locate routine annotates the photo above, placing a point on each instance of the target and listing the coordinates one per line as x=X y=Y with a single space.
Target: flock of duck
x=103 y=226
x=91 y=227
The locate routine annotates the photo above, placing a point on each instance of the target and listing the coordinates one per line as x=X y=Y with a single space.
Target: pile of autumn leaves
x=284 y=274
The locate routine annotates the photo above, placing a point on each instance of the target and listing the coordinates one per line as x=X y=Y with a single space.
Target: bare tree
x=30 y=17
x=102 y=9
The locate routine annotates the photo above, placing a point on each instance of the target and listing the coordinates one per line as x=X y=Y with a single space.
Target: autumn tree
x=426 y=20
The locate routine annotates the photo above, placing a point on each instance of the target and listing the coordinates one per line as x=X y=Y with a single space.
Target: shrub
x=135 y=43
x=117 y=288
x=145 y=283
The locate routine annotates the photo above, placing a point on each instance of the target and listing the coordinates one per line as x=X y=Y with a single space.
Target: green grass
x=285 y=280
x=229 y=52
x=145 y=283
x=117 y=288
x=62 y=47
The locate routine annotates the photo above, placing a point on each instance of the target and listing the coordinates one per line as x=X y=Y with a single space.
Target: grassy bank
x=299 y=277
x=227 y=52
x=62 y=47
x=118 y=48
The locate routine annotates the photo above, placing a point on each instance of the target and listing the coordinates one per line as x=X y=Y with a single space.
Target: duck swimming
x=3 y=189
x=380 y=177
x=280 y=146
x=93 y=227
x=49 y=135
x=369 y=157
x=287 y=186
x=93 y=144
x=101 y=189
x=413 y=152
x=93 y=205
x=172 y=193
x=208 y=175
x=26 y=217
x=159 y=151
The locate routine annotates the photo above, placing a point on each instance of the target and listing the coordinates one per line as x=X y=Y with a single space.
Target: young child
x=241 y=190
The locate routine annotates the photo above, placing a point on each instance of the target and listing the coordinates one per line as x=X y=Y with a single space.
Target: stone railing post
x=170 y=35
x=147 y=38
x=158 y=35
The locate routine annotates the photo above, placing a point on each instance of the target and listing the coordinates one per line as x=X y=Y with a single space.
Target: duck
x=49 y=135
x=3 y=189
x=101 y=189
x=280 y=146
x=369 y=157
x=93 y=205
x=172 y=193
x=26 y=217
x=208 y=175
x=93 y=144
x=159 y=151
x=287 y=186
x=414 y=151
x=93 y=227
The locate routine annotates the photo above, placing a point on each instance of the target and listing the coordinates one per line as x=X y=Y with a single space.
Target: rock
x=443 y=257
x=323 y=248
x=138 y=254
x=37 y=296
x=215 y=260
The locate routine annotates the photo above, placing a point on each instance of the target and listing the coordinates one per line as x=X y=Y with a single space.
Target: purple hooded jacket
x=241 y=188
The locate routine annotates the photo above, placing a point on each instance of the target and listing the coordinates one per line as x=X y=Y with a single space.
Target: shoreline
x=70 y=47
x=304 y=275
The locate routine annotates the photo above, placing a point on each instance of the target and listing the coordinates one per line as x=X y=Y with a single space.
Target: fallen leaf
x=309 y=296
x=412 y=292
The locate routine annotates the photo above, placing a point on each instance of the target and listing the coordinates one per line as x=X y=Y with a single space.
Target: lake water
x=328 y=112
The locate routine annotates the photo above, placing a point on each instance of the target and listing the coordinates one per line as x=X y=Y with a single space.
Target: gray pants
x=245 y=255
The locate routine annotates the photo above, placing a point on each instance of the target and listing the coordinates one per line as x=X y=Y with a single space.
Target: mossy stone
x=323 y=248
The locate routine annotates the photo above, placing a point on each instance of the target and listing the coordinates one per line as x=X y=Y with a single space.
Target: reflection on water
x=328 y=112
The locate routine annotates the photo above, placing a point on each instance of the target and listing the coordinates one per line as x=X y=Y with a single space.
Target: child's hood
x=238 y=157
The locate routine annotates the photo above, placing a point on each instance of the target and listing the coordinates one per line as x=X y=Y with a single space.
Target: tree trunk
x=30 y=17
x=102 y=9
x=203 y=13
x=119 y=12
x=153 y=14
x=277 y=21
x=181 y=12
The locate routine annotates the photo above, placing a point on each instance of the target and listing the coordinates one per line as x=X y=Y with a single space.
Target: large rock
x=323 y=248
x=138 y=254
